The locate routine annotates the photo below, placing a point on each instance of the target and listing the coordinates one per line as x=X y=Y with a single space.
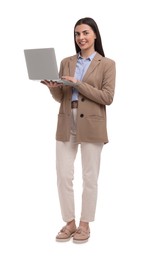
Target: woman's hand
x=51 y=84
x=71 y=79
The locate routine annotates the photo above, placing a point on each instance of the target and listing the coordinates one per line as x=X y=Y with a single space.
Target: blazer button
x=82 y=99
x=82 y=115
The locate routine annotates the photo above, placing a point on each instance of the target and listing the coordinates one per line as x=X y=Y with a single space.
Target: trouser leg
x=90 y=154
x=65 y=157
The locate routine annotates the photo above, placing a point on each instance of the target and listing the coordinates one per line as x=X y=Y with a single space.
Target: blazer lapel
x=94 y=63
x=92 y=66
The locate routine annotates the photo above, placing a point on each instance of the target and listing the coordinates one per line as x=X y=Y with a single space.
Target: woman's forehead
x=82 y=27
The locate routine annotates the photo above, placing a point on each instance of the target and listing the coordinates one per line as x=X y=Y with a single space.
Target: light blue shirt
x=81 y=68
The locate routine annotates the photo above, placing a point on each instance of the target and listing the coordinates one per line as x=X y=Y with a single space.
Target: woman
x=82 y=121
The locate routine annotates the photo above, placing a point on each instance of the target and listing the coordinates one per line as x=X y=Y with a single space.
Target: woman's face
x=84 y=37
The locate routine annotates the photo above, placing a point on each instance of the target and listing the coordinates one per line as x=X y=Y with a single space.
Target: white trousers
x=65 y=157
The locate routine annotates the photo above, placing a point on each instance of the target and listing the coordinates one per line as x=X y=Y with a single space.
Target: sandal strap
x=66 y=230
x=82 y=231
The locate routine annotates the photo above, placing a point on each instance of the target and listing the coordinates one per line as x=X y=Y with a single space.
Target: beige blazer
x=96 y=91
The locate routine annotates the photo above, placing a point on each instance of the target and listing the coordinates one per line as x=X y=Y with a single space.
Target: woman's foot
x=82 y=233
x=66 y=232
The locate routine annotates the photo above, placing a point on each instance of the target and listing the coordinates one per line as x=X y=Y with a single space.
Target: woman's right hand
x=50 y=84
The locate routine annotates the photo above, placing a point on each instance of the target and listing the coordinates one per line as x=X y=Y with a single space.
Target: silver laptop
x=42 y=64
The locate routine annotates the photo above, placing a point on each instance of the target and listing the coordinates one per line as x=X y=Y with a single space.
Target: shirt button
x=82 y=115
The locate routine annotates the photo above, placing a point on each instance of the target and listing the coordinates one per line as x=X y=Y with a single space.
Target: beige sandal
x=65 y=233
x=81 y=235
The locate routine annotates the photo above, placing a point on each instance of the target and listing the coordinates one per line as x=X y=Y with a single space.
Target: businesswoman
x=82 y=122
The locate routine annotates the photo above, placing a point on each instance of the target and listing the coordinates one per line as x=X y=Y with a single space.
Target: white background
x=29 y=207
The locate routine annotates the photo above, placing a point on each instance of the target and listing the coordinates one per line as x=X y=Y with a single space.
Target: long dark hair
x=98 y=42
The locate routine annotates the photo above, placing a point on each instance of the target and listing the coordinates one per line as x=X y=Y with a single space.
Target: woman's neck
x=86 y=53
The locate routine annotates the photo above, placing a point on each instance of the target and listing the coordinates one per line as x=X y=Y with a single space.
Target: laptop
x=42 y=64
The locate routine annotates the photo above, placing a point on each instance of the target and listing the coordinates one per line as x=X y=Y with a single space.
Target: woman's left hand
x=71 y=79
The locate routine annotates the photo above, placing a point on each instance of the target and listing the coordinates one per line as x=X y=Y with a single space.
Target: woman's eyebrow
x=82 y=31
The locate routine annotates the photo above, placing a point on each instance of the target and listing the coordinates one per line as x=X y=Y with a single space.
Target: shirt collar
x=89 y=58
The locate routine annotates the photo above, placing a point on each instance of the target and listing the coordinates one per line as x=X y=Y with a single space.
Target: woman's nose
x=81 y=36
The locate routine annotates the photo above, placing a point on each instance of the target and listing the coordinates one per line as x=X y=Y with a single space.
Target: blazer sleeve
x=103 y=94
x=57 y=93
